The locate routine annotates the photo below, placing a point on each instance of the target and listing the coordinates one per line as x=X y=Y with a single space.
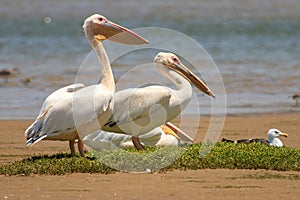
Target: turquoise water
x=255 y=44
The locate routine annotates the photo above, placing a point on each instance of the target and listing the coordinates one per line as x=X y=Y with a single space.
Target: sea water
x=254 y=44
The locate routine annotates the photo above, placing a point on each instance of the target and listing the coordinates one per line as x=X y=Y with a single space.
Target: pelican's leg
x=80 y=147
x=137 y=144
x=71 y=145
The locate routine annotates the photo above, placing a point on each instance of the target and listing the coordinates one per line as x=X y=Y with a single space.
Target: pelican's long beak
x=283 y=134
x=182 y=135
x=189 y=75
x=114 y=32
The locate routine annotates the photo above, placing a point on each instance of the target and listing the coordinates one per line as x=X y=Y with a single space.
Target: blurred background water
x=254 y=43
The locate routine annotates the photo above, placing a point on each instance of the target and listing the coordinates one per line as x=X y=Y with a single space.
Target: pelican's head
x=275 y=133
x=101 y=28
x=171 y=61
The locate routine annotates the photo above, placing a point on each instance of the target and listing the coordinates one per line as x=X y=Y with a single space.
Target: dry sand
x=198 y=184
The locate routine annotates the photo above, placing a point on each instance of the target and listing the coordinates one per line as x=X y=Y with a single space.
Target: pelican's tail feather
x=32 y=141
x=33 y=133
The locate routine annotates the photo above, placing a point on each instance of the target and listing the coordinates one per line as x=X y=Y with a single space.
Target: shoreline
x=245 y=114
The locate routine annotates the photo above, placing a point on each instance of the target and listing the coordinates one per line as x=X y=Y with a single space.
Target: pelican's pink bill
x=194 y=79
x=124 y=35
x=183 y=136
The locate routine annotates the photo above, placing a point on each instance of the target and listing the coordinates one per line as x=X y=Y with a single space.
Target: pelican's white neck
x=179 y=81
x=184 y=92
x=107 y=78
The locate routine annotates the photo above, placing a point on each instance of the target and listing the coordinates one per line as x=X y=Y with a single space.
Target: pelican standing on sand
x=138 y=110
x=56 y=118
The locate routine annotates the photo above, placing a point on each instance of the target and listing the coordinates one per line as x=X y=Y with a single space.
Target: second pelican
x=139 y=110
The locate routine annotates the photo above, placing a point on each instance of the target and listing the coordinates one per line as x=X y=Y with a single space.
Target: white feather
x=101 y=140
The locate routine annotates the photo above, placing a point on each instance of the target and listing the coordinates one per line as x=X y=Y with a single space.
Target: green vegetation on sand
x=197 y=156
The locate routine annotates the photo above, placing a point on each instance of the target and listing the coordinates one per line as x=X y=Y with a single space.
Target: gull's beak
x=283 y=134
x=114 y=32
x=179 y=133
x=189 y=75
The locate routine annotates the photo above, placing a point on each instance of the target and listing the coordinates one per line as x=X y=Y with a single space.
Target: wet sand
x=198 y=184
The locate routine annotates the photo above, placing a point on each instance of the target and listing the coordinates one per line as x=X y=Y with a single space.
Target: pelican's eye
x=276 y=132
x=175 y=59
x=100 y=19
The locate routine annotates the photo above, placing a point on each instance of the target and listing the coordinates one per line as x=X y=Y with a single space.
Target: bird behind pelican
x=165 y=135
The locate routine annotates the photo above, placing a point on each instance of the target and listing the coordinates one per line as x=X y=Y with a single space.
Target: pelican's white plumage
x=56 y=96
x=160 y=136
x=138 y=110
x=56 y=119
x=59 y=94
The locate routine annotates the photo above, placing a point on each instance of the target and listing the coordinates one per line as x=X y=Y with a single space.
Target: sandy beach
x=198 y=184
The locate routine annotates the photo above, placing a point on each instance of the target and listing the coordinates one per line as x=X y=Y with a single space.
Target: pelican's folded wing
x=59 y=94
x=133 y=104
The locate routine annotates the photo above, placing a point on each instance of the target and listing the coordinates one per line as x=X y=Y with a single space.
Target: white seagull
x=273 y=138
x=139 y=110
x=56 y=118
x=165 y=135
